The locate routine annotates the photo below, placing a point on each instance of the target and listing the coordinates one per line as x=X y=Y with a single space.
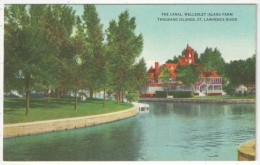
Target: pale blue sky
x=162 y=40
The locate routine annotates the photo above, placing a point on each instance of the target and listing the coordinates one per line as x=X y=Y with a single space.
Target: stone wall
x=246 y=151
x=188 y=100
x=21 y=129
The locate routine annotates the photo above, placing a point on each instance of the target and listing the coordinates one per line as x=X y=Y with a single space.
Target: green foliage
x=160 y=94
x=229 y=89
x=164 y=74
x=212 y=60
x=175 y=59
x=42 y=43
x=123 y=47
x=132 y=96
x=183 y=94
x=187 y=74
x=175 y=94
x=138 y=76
x=97 y=63
x=240 y=72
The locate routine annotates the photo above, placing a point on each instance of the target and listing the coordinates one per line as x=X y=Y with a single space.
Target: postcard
x=129 y=82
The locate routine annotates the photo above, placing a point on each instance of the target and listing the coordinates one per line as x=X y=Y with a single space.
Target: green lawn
x=252 y=96
x=42 y=109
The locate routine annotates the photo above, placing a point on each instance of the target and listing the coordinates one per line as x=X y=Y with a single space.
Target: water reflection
x=114 y=141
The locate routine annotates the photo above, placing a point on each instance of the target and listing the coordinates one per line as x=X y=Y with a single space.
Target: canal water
x=169 y=131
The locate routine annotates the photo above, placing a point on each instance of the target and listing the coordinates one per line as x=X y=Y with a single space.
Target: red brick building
x=209 y=82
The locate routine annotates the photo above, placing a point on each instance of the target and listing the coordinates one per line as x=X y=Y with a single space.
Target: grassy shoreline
x=48 y=109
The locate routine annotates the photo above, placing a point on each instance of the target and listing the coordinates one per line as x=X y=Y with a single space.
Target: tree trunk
x=117 y=97
x=104 y=98
x=49 y=99
x=122 y=96
x=75 y=100
x=58 y=92
x=27 y=88
x=91 y=93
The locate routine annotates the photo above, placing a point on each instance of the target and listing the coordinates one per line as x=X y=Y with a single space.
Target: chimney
x=156 y=71
x=156 y=67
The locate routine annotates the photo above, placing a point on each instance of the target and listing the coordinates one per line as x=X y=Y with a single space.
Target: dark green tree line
x=240 y=72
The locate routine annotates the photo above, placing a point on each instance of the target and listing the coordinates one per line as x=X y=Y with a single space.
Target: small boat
x=144 y=109
x=141 y=107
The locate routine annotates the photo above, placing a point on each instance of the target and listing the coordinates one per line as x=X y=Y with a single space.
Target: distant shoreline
x=189 y=100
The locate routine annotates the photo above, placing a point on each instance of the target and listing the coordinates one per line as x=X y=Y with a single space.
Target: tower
x=189 y=55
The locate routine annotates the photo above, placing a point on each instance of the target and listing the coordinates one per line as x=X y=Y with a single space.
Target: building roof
x=151 y=70
x=209 y=74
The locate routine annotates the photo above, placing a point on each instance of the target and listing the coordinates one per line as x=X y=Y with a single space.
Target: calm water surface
x=169 y=131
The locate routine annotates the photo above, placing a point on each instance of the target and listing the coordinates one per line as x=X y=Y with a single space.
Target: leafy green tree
x=175 y=59
x=78 y=61
x=40 y=32
x=211 y=60
x=187 y=74
x=138 y=76
x=235 y=72
x=250 y=70
x=132 y=96
x=25 y=48
x=124 y=46
x=196 y=57
x=59 y=22
x=97 y=62
x=164 y=75
x=240 y=72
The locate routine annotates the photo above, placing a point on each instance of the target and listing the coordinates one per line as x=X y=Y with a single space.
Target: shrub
x=132 y=96
x=183 y=94
x=175 y=94
x=161 y=94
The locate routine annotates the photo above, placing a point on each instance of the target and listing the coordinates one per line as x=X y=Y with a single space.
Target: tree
x=240 y=72
x=250 y=70
x=175 y=59
x=211 y=60
x=80 y=56
x=196 y=57
x=58 y=22
x=138 y=76
x=39 y=33
x=235 y=72
x=25 y=48
x=187 y=74
x=97 y=62
x=164 y=75
x=124 y=46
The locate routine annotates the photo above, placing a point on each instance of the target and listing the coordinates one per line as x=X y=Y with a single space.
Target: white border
x=128 y=2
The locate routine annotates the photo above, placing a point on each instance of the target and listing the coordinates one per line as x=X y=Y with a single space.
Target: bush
x=229 y=89
x=132 y=96
x=175 y=94
x=160 y=94
x=183 y=94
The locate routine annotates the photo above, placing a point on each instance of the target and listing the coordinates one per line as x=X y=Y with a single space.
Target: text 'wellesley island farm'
x=197 y=17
